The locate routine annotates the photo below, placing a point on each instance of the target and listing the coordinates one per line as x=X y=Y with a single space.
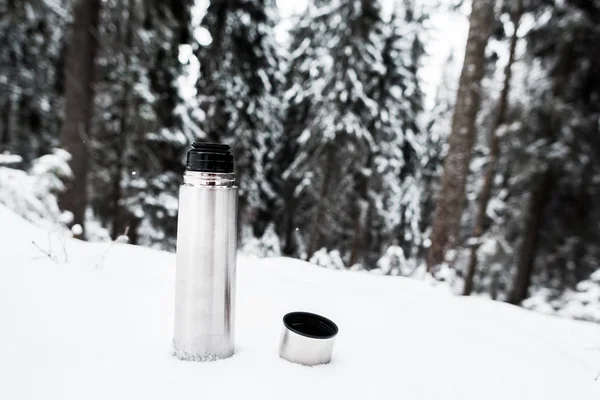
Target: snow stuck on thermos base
x=206 y=256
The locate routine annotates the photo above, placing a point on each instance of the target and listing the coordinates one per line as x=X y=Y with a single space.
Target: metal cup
x=307 y=338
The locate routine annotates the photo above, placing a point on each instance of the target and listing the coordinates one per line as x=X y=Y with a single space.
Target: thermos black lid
x=210 y=157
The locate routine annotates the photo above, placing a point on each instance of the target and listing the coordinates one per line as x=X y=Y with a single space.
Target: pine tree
x=140 y=140
x=32 y=43
x=558 y=240
x=435 y=145
x=492 y=165
x=395 y=191
x=169 y=135
x=289 y=209
x=499 y=118
x=238 y=92
x=336 y=54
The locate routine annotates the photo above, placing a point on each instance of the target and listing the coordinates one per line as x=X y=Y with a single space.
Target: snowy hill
x=100 y=326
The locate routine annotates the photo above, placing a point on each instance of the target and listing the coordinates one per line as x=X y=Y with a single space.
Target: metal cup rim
x=311 y=317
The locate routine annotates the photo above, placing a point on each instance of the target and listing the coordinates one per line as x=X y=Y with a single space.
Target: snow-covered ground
x=99 y=327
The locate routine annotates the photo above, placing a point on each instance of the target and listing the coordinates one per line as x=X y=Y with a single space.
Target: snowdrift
x=99 y=326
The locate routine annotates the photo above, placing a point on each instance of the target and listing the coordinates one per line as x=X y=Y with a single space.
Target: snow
x=328 y=259
x=393 y=262
x=100 y=327
x=202 y=36
x=582 y=303
x=77 y=229
x=32 y=193
x=7 y=159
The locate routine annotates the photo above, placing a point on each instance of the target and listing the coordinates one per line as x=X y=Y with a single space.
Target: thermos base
x=184 y=355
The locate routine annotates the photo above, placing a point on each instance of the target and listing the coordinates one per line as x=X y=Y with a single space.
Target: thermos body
x=205 y=267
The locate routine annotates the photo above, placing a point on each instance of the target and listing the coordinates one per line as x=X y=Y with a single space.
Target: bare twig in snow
x=62 y=241
x=50 y=243
x=46 y=253
x=100 y=262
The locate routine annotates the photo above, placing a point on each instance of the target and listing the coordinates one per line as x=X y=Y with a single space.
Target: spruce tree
x=335 y=56
x=238 y=92
x=559 y=236
x=140 y=141
x=32 y=51
x=500 y=117
x=396 y=184
x=289 y=208
x=435 y=146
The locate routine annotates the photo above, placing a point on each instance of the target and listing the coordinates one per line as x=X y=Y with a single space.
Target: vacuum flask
x=206 y=256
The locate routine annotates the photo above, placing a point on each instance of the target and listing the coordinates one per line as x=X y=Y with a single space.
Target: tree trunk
x=359 y=233
x=494 y=143
x=287 y=187
x=526 y=256
x=315 y=237
x=79 y=102
x=288 y=218
x=120 y=216
x=133 y=225
x=4 y=127
x=543 y=188
x=451 y=199
x=289 y=247
x=361 y=189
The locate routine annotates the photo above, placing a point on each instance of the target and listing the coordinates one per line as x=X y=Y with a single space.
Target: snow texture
x=100 y=327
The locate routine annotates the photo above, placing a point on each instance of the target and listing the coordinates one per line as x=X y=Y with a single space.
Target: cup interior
x=310 y=325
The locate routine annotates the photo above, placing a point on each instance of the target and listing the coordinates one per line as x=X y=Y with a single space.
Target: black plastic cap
x=210 y=157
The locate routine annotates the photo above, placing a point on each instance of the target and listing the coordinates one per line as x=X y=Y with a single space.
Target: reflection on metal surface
x=205 y=276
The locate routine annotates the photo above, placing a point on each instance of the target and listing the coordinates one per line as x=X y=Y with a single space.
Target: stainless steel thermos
x=206 y=256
